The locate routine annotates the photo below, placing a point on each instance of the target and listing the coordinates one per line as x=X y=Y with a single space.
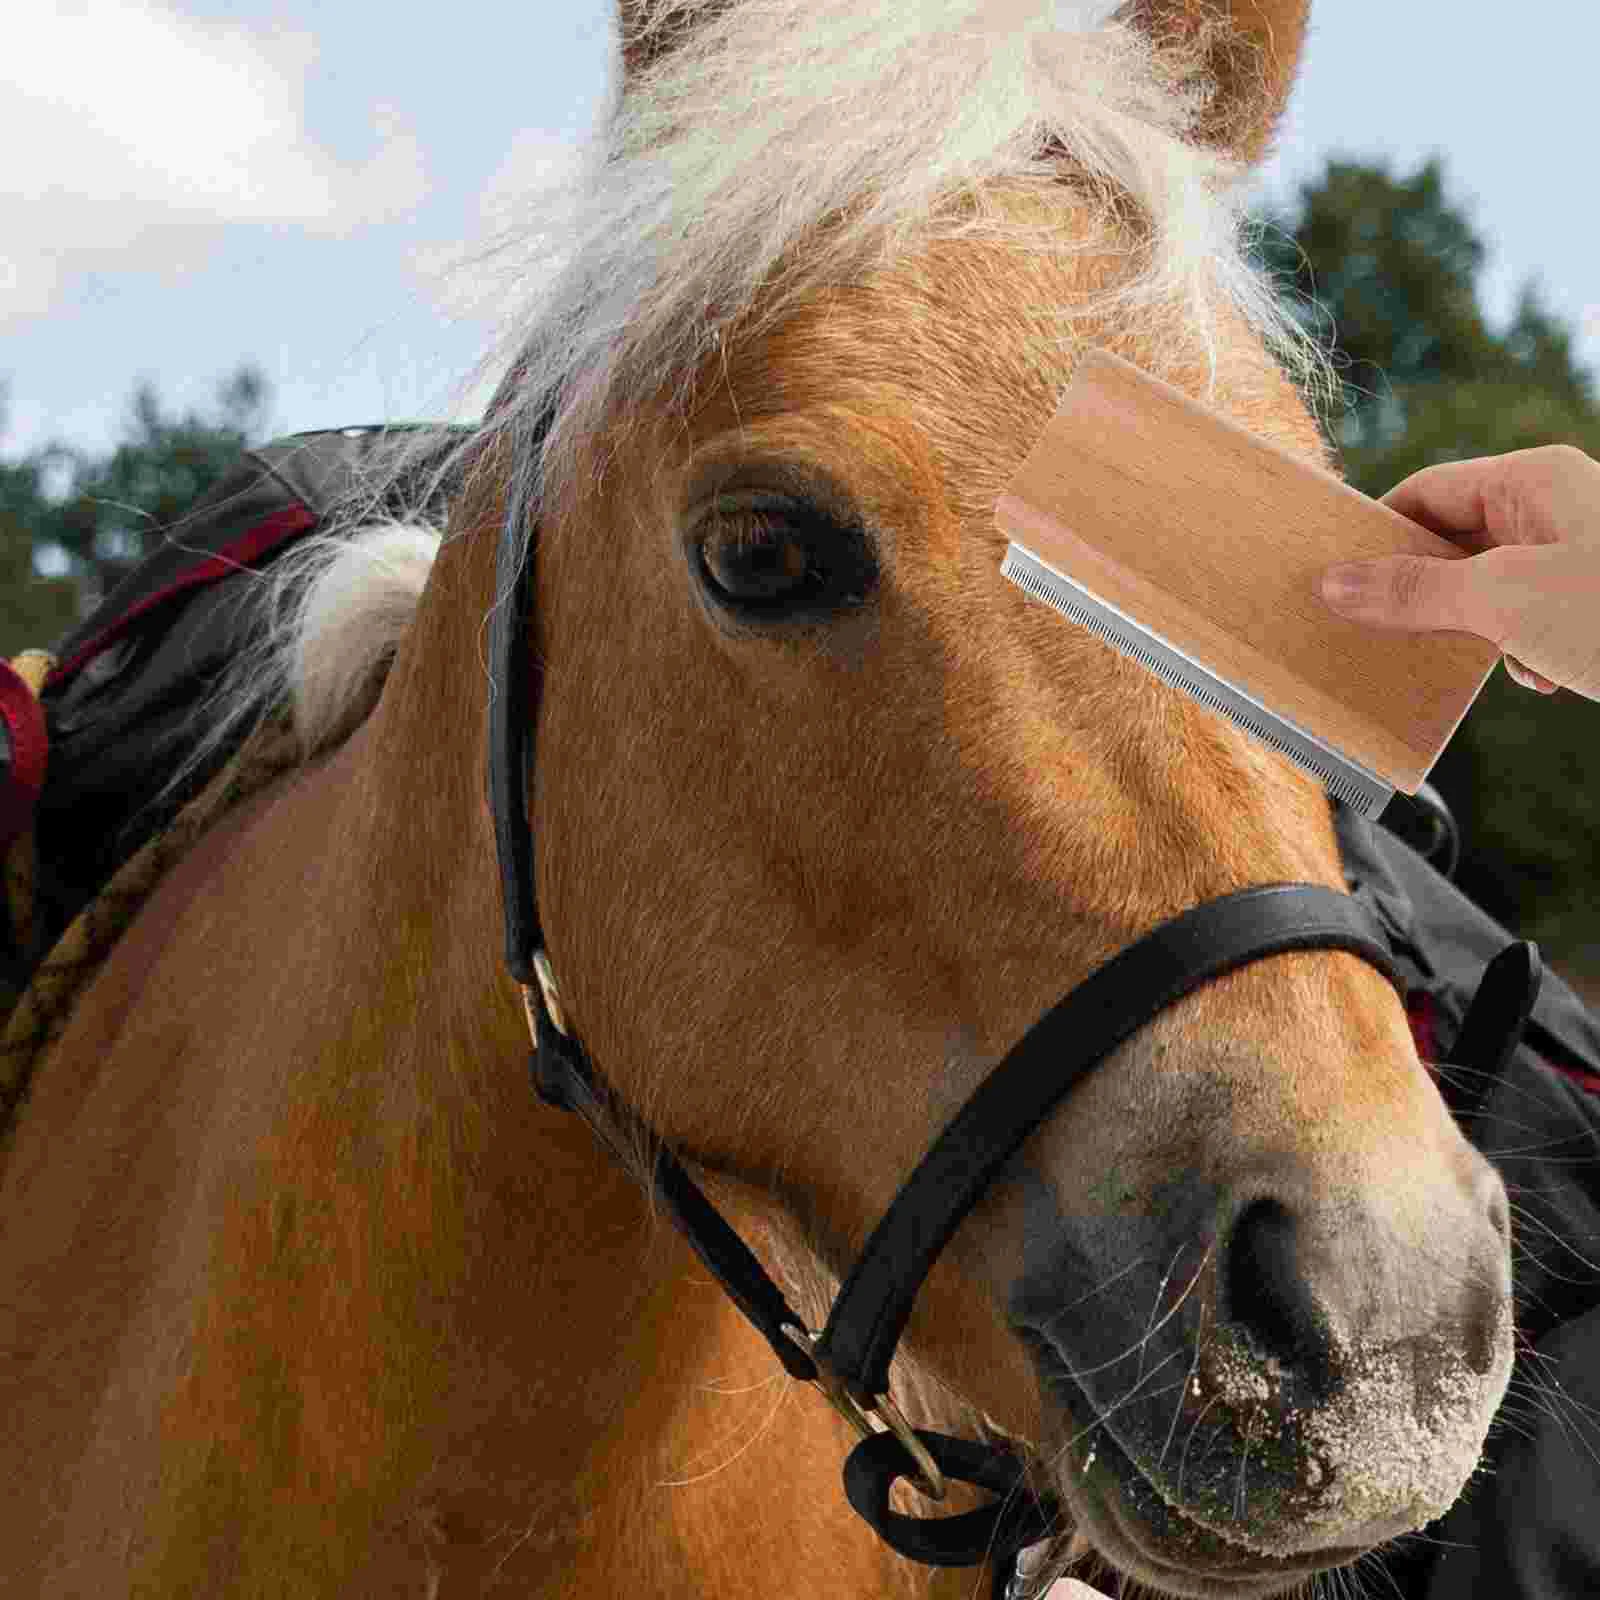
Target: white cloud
x=133 y=136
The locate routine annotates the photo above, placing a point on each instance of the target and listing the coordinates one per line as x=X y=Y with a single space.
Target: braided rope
x=42 y=1013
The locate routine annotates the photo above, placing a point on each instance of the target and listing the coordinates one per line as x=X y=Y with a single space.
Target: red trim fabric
x=22 y=782
x=1423 y=1016
x=1587 y=1081
x=30 y=750
x=249 y=546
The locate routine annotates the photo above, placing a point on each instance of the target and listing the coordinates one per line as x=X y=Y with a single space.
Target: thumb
x=1414 y=592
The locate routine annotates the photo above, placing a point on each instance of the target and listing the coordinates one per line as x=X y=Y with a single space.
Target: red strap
x=22 y=780
x=1587 y=1081
x=30 y=750
x=1423 y=1015
x=250 y=546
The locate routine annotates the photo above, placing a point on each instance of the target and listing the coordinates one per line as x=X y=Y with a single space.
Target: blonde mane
x=781 y=145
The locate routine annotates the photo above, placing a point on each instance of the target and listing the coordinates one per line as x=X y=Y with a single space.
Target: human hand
x=1531 y=586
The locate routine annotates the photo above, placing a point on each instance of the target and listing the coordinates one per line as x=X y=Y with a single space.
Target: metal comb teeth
x=1343 y=778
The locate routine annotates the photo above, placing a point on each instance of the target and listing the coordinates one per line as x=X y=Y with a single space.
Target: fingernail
x=1341 y=586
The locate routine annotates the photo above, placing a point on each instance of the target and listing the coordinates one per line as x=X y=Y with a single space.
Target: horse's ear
x=1248 y=49
x=642 y=46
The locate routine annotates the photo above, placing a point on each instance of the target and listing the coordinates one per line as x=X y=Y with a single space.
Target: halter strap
x=513 y=671
x=1077 y=1033
x=850 y=1362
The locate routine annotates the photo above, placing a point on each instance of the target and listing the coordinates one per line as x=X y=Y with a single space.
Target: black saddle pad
x=1527 y=1526
x=120 y=707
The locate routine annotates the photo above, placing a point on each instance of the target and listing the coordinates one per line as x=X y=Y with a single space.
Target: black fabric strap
x=1112 y=1004
x=994 y=1532
x=511 y=703
x=564 y=1077
x=1495 y=1021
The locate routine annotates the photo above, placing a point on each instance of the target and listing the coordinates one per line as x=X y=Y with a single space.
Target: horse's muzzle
x=1277 y=1382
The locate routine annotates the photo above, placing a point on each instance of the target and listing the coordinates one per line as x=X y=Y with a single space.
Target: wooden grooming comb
x=1196 y=548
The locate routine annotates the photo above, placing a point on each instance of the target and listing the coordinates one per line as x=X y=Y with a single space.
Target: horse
x=307 y=1293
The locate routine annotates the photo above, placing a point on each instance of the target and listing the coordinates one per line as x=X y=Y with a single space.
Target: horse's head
x=828 y=813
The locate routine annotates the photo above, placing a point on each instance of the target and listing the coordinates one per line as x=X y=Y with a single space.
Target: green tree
x=1388 y=269
x=34 y=610
x=163 y=464
x=1395 y=267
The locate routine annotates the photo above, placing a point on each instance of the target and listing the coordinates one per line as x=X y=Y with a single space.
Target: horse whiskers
x=1239 y=1498
x=1577 y=1157
x=1349 y=1584
x=1527 y=1218
x=1418 y=1536
x=720 y=1386
x=1151 y=1329
x=1355 y=1576
x=1194 y=1428
x=1459 y=1076
x=1533 y=1376
x=1546 y=1396
x=784 y=1388
x=1511 y=1423
x=1188 y=1377
x=1103 y=1416
x=1101 y=1287
x=1141 y=1348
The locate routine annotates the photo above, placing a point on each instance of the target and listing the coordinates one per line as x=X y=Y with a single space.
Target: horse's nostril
x=1268 y=1297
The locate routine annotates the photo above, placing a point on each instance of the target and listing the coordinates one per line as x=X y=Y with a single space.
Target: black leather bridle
x=850 y=1359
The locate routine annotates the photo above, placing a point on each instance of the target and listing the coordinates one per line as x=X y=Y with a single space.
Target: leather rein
x=849 y=1360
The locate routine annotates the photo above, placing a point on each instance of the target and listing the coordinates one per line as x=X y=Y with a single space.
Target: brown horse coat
x=303 y=1293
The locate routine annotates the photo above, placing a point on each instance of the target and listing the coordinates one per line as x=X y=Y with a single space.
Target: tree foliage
x=163 y=464
x=1388 y=268
x=34 y=610
x=97 y=513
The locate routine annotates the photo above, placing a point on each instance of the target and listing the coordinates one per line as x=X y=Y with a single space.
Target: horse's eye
x=769 y=558
x=754 y=559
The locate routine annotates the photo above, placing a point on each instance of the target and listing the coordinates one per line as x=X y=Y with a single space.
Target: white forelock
x=704 y=195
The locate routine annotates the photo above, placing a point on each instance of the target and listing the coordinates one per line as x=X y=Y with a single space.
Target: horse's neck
x=399 y=1325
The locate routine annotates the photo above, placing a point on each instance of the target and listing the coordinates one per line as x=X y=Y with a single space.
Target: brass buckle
x=546 y=975
x=882 y=1416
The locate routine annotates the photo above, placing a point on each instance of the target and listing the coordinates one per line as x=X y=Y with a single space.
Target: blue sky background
x=191 y=184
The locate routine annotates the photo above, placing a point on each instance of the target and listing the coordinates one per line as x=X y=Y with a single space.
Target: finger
x=1527 y=677
x=1454 y=499
x=1417 y=593
x=1526 y=497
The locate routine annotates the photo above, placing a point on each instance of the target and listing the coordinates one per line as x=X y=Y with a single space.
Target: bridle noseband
x=850 y=1359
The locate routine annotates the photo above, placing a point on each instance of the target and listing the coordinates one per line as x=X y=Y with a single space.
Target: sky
x=189 y=185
